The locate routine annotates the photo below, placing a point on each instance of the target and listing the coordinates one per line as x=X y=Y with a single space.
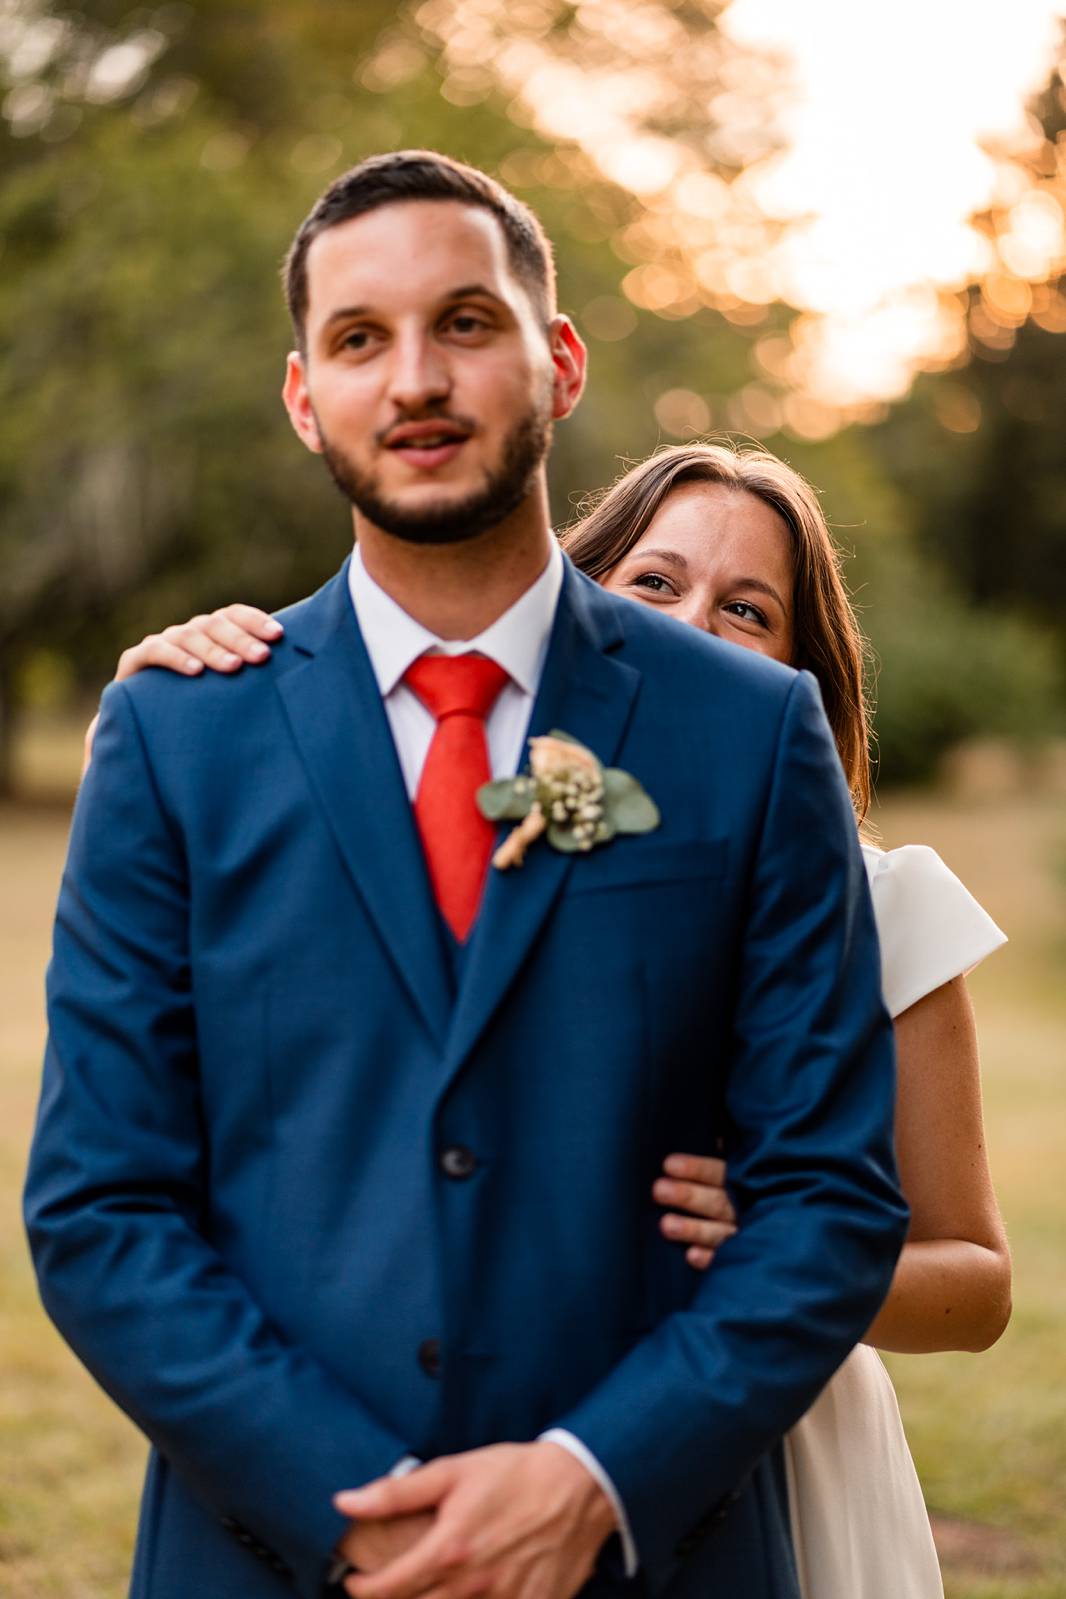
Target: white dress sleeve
x=930 y=927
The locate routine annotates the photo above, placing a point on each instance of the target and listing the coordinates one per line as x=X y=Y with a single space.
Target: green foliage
x=503 y=801
x=991 y=503
x=949 y=673
x=629 y=807
x=943 y=668
x=147 y=470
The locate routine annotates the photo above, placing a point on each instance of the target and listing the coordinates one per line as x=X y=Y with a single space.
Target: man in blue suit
x=346 y=1142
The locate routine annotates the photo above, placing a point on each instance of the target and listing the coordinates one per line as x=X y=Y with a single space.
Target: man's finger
x=429 y=1564
x=421 y=1489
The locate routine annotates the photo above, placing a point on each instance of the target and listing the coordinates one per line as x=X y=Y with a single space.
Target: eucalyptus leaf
x=630 y=808
x=616 y=783
x=606 y=828
x=503 y=801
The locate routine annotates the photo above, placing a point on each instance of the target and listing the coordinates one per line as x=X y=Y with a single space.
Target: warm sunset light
x=829 y=156
x=899 y=131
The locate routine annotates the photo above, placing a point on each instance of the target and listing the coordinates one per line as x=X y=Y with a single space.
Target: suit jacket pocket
x=634 y=862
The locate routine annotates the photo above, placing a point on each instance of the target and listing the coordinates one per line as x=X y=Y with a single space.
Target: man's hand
x=512 y=1521
x=371 y=1544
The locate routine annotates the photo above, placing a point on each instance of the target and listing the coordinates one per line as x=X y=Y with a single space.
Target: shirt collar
x=517 y=640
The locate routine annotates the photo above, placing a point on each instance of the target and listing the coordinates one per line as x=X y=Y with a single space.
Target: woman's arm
x=951 y=1289
x=952 y=1285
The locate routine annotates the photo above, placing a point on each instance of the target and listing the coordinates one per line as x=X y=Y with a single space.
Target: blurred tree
x=155 y=164
x=979 y=452
x=941 y=670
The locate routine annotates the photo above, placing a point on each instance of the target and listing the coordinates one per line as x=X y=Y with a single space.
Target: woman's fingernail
x=259 y=652
x=274 y=628
x=229 y=659
x=192 y=665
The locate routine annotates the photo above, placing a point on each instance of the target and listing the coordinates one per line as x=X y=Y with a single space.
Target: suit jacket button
x=458 y=1162
x=429 y=1356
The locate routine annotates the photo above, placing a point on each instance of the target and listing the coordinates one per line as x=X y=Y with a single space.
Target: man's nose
x=418 y=374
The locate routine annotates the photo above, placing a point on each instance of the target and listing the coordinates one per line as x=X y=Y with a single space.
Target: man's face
x=428 y=385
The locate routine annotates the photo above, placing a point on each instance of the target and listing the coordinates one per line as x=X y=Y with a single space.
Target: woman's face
x=720 y=559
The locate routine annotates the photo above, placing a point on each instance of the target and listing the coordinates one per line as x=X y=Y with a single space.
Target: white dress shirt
x=517 y=641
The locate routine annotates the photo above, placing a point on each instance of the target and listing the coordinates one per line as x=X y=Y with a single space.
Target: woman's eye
x=747 y=612
x=653 y=581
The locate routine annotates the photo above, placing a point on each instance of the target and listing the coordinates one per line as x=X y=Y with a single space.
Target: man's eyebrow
x=345 y=311
x=465 y=291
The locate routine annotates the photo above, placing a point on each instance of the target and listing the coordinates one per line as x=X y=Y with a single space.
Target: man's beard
x=502 y=493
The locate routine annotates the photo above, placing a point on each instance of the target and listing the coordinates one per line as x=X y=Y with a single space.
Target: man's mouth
x=427 y=444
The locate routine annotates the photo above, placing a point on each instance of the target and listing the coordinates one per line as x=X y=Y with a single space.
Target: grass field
x=988 y=1432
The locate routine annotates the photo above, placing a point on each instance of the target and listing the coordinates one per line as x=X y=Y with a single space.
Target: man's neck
x=456 y=591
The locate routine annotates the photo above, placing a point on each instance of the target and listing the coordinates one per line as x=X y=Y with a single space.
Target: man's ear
x=569 y=361
x=297 y=399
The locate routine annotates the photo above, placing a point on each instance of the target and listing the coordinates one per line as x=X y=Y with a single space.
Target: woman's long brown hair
x=827 y=638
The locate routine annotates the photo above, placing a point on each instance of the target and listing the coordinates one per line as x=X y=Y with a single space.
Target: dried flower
x=569 y=795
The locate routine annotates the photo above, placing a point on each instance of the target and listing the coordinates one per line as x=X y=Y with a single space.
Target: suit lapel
x=588 y=694
x=338 y=721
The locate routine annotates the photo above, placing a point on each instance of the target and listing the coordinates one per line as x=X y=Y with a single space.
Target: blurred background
x=834 y=227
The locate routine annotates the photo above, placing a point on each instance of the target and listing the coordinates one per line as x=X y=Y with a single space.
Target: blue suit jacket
x=241 y=1206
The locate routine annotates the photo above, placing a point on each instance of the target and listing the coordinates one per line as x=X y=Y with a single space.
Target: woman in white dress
x=734 y=542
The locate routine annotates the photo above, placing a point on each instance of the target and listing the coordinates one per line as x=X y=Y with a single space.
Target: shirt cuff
x=566 y=1440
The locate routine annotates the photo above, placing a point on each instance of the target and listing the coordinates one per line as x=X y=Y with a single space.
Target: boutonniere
x=568 y=795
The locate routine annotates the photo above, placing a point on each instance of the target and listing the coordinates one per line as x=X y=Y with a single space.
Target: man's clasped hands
x=514 y=1521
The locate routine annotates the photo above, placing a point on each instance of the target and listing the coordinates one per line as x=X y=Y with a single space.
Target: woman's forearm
x=948 y=1293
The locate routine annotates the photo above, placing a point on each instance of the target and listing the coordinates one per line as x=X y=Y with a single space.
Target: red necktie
x=460 y=691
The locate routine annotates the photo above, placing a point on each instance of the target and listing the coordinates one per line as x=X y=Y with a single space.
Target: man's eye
x=748 y=612
x=467 y=324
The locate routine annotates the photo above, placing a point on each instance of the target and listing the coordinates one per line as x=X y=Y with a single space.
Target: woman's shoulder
x=930 y=926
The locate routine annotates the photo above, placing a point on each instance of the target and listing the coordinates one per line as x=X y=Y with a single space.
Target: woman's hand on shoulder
x=224 y=641
x=700 y=1213
x=231 y=637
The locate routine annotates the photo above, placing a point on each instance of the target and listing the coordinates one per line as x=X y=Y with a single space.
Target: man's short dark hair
x=422 y=175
